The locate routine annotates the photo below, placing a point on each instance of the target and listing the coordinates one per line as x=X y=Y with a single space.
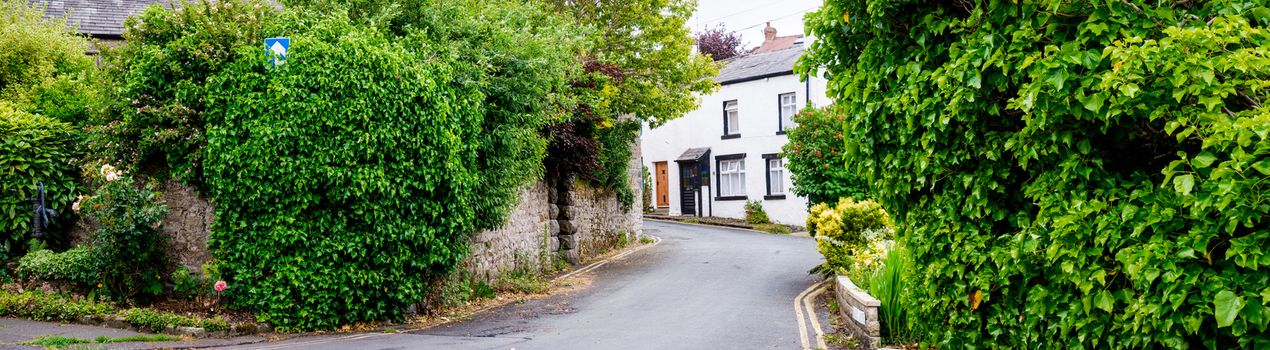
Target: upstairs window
x=788 y=108
x=731 y=120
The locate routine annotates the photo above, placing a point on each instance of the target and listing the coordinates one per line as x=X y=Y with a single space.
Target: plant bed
x=720 y=221
x=40 y=306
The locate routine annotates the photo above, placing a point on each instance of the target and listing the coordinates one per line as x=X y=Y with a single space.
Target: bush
x=77 y=265
x=40 y=52
x=815 y=152
x=157 y=321
x=49 y=307
x=128 y=244
x=754 y=213
x=1067 y=174
x=33 y=149
x=773 y=228
x=852 y=236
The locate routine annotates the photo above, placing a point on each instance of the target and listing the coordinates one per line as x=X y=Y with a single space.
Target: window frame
x=780 y=111
x=718 y=166
x=767 y=175
x=728 y=133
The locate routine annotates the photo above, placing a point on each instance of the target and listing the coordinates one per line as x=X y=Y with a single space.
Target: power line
x=781 y=17
x=740 y=12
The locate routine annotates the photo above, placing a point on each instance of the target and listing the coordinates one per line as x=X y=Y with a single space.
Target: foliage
x=156 y=120
x=77 y=265
x=852 y=236
x=1068 y=174
x=157 y=321
x=648 y=48
x=891 y=285
x=33 y=149
x=646 y=181
x=815 y=157
x=719 y=43
x=49 y=307
x=188 y=284
x=754 y=213
x=128 y=245
x=347 y=198
x=43 y=69
x=615 y=160
x=773 y=228
x=57 y=341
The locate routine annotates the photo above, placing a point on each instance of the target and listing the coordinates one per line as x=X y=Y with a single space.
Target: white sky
x=747 y=17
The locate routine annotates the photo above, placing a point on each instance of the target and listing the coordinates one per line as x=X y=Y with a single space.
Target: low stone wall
x=525 y=241
x=859 y=312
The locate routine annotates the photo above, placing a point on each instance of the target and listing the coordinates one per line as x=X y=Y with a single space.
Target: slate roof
x=778 y=43
x=693 y=154
x=759 y=65
x=97 y=18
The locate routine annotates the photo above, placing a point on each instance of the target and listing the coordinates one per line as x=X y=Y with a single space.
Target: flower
x=219 y=286
x=75 y=206
x=109 y=172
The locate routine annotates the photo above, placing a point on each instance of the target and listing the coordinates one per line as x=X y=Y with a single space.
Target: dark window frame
x=780 y=112
x=767 y=175
x=718 y=177
x=727 y=132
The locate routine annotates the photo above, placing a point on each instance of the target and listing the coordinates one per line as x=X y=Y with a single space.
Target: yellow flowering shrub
x=853 y=236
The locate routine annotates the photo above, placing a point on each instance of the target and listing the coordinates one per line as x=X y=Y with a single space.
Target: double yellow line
x=805 y=309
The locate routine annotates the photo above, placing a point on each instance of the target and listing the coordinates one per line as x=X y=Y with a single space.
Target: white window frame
x=731 y=118
x=787 y=107
x=732 y=177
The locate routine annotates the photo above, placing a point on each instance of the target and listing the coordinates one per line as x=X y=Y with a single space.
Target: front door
x=663 y=184
x=688 y=185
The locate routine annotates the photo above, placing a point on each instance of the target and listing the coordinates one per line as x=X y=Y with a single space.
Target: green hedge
x=33 y=149
x=1066 y=174
x=77 y=265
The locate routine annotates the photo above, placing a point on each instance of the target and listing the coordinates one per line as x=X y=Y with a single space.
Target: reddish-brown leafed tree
x=719 y=43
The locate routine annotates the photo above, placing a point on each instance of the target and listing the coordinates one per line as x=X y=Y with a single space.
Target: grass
x=773 y=228
x=646 y=239
x=523 y=282
x=57 y=341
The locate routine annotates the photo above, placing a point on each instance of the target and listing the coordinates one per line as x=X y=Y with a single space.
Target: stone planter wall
x=859 y=312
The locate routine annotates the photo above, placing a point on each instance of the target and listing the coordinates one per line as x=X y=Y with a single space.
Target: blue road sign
x=277 y=48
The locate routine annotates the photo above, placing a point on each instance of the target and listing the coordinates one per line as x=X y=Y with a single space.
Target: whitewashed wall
x=758 y=107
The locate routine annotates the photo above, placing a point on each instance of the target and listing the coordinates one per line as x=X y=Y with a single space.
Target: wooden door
x=663 y=184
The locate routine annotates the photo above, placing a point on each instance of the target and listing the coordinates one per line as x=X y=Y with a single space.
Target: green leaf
x=1204 y=159
x=1226 y=307
x=1184 y=183
x=1263 y=166
x=1104 y=301
x=1094 y=102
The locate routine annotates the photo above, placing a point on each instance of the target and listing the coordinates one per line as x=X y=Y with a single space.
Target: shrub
x=754 y=213
x=815 y=152
x=49 y=307
x=38 y=52
x=77 y=265
x=1067 y=174
x=33 y=149
x=891 y=285
x=127 y=245
x=852 y=236
x=158 y=321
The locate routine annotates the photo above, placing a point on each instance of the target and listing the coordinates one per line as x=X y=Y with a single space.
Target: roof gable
x=759 y=65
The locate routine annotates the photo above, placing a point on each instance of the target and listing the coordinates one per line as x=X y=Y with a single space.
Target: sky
x=747 y=17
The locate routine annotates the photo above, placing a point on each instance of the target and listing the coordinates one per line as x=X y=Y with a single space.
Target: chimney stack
x=769 y=33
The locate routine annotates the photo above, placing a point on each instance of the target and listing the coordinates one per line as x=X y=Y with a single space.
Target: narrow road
x=699 y=288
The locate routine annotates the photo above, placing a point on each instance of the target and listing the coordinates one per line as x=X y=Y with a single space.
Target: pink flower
x=219 y=286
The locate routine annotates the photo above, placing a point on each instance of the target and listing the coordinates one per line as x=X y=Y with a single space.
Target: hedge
x=1066 y=174
x=33 y=149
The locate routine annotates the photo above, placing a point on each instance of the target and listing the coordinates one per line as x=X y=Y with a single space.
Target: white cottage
x=710 y=161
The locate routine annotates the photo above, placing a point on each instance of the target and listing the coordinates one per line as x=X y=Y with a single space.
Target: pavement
x=701 y=287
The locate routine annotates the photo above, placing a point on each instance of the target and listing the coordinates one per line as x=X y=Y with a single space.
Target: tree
x=816 y=157
x=1067 y=174
x=719 y=43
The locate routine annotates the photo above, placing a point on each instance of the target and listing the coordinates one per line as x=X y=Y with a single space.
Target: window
x=788 y=108
x=731 y=176
x=775 y=176
x=731 y=120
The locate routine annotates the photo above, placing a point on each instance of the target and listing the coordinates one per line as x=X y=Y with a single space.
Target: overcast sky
x=747 y=17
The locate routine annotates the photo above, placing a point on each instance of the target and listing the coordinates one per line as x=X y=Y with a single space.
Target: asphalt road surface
x=699 y=288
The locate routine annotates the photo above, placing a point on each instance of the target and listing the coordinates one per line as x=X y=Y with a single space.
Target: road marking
x=810 y=303
x=597 y=264
x=798 y=311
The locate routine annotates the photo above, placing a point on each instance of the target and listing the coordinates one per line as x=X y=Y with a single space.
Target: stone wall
x=188 y=224
x=523 y=242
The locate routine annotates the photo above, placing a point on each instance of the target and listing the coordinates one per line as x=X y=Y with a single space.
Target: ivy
x=1066 y=174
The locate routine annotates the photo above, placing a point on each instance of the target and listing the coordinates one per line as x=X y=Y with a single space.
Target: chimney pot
x=769 y=33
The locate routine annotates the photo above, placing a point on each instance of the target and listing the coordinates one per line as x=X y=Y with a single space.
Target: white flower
x=106 y=169
x=75 y=206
